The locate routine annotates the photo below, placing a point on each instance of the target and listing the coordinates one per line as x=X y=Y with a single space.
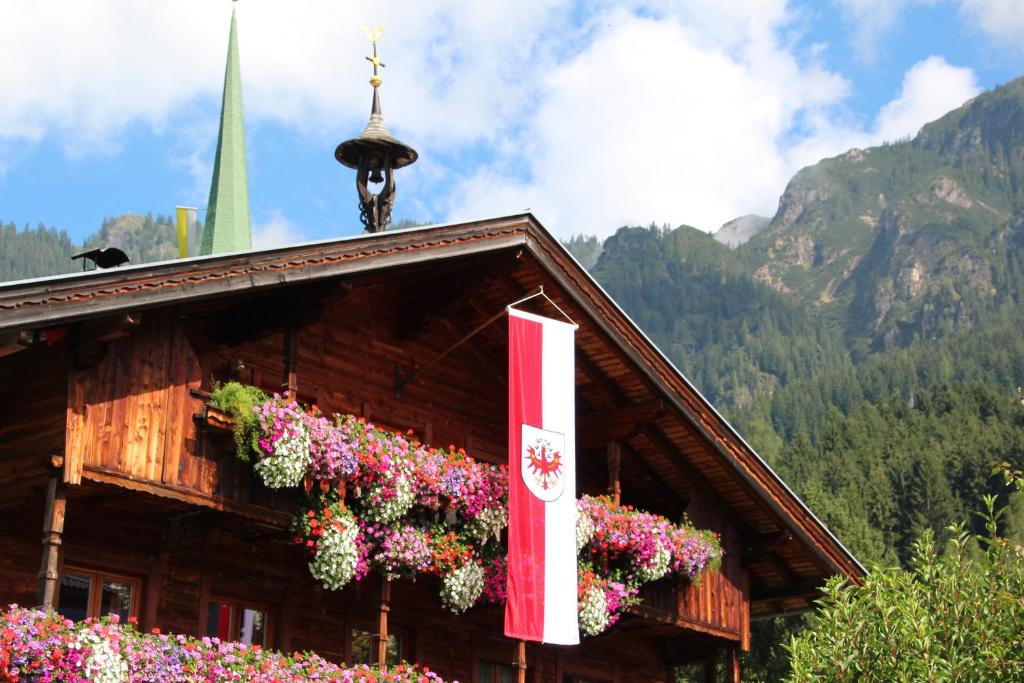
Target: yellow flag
x=186 y=214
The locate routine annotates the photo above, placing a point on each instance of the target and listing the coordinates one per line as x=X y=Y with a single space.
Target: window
x=364 y=647
x=492 y=672
x=233 y=621
x=85 y=594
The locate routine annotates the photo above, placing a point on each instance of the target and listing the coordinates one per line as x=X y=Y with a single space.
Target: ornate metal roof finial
x=375 y=151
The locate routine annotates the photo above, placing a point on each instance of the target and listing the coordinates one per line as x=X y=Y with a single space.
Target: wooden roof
x=683 y=445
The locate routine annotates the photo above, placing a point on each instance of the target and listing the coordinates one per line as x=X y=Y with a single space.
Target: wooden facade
x=105 y=377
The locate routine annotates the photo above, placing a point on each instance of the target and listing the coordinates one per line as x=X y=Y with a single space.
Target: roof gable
x=734 y=468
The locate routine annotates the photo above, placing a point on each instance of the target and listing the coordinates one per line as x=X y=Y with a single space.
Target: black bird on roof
x=107 y=257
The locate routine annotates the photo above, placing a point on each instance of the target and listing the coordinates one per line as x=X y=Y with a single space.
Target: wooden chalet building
x=106 y=447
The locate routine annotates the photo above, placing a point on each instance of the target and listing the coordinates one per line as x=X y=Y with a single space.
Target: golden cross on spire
x=373 y=36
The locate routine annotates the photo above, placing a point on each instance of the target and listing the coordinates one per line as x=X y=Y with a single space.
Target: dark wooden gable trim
x=64 y=299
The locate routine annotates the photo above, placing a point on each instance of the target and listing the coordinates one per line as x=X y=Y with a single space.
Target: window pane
x=491 y=672
x=116 y=599
x=218 y=620
x=74 y=596
x=394 y=655
x=253 y=629
x=362 y=646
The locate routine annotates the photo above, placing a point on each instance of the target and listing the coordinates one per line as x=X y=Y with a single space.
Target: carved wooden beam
x=594 y=430
x=53 y=531
x=91 y=338
x=670 y=491
x=733 y=664
x=16 y=340
x=599 y=379
x=799 y=591
x=757 y=546
x=697 y=480
x=614 y=462
x=291 y=346
x=791 y=576
x=382 y=624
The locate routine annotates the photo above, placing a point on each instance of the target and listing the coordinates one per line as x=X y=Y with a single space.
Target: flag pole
x=521 y=661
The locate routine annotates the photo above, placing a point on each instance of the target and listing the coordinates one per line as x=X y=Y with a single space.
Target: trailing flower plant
x=284 y=447
x=382 y=501
x=37 y=645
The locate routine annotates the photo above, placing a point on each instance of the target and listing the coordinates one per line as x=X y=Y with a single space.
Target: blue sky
x=593 y=115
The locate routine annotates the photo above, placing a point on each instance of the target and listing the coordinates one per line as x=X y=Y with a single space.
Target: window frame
x=96 y=578
x=401 y=633
x=236 y=606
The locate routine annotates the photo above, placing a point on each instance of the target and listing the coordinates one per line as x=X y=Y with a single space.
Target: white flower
x=382 y=506
x=104 y=664
x=287 y=466
x=593 y=612
x=488 y=523
x=462 y=588
x=657 y=566
x=584 y=530
x=337 y=555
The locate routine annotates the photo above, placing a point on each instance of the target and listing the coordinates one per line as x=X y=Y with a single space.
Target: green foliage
x=47 y=251
x=143 y=238
x=735 y=337
x=586 y=249
x=238 y=400
x=31 y=253
x=953 y=616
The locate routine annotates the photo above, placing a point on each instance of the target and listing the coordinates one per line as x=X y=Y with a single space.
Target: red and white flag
x=542 y=599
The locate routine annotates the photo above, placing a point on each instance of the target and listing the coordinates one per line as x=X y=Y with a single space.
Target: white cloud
x=276 y=231
x=652 y=122
x=89 y=69
x=1003 y=19
x=591 y=114
x=931 y=88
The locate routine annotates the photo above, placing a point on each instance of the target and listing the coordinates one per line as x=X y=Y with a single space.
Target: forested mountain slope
x=45 y=250
x=867 y=341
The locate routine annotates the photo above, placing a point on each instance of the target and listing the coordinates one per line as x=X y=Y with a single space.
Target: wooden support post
x=520 y=662
x=291 y=347
x=614 y=451
x=382 y=626
x=734 y=664
x=53 y=530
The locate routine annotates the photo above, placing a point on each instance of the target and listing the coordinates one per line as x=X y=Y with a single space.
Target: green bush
x=238 y=401
x=953 y=616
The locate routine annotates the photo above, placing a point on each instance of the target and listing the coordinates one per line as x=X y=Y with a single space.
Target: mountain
x=909 y=240
x=143 y=238
x=733 y=335
x=739 y=230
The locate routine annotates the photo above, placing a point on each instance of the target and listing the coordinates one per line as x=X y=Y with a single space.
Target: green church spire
x=227 y=213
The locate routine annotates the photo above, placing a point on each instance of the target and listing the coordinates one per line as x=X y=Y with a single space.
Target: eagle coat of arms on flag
x=543 y=465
